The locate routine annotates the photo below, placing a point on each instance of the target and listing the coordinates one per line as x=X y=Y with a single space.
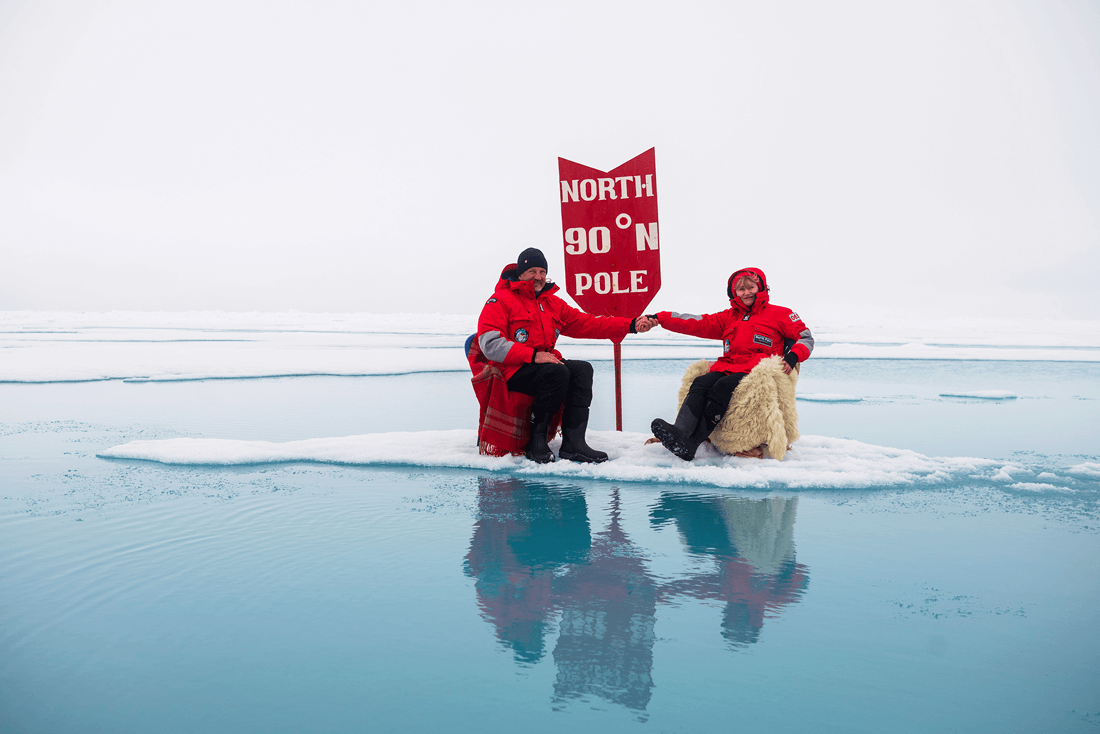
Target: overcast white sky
x=392 y=156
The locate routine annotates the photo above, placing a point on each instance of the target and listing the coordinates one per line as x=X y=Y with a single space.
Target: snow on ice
x=814 y=462
x=1038 y=487
x=1089 y=470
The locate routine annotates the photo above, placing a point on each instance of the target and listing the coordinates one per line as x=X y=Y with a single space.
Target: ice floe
x=1088 y=469
x=814 y=461
x=1039 y=487
x=828 y=397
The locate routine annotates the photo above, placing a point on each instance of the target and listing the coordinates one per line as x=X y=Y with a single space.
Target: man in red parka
x=751 y=330
x=517 y=331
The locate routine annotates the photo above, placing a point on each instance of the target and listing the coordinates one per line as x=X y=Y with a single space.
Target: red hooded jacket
x=749 y=334
x=516 y=323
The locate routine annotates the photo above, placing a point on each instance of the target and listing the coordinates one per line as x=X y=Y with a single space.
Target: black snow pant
x=552 y=385
x=710 y=395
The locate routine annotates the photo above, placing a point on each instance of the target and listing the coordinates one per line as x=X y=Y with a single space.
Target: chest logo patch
x=521 y=335
x=557 y=333
x=761 y=339
x=726 y=346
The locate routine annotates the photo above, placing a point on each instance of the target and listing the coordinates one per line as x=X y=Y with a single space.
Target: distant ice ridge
x=1088 y=469
x=828 y=397
x=42 y=346
x=1039 y=487
x=983 y=394
x=814 y=462
x=140 y=347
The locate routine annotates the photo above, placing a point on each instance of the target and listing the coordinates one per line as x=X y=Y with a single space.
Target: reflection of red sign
x=609 y=225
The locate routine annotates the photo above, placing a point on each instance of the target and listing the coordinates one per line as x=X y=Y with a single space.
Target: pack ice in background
x=280 y=522
x=917 y=385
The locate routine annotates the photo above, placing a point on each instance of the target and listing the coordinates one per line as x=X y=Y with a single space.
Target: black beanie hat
x=530 y=258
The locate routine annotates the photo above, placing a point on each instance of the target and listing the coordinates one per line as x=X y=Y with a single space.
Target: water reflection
x=751 y=543
x=535 y=562
x=609 y=606
x=525 y=533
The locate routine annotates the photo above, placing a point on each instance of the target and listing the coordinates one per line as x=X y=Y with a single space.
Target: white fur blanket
x=761 y=412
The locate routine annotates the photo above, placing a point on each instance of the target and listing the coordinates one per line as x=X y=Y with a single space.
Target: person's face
x=536 y=275
x=747 y=291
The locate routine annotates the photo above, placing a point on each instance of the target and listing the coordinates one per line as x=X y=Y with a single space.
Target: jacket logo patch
x=726 y=346
x=761 y=339
x=557 y=333
x=491 y=300
x=794 y=316
x=521 y=335
x=541 y=308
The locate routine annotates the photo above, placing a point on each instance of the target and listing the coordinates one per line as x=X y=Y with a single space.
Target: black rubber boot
x=573 y=445
x=690 y=431
x=537 y=450
x=712 y=416
x=683 y=437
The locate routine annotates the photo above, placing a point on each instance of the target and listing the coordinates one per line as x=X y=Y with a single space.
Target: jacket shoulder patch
x=794 y=316
x=491 y=300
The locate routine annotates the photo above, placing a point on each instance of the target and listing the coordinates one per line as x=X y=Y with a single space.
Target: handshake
x=642 y=324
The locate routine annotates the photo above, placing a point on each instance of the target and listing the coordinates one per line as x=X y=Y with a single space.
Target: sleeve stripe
x=806 y=339
x=494 y=346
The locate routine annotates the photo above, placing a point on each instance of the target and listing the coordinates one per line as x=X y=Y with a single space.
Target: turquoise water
x=136 y=597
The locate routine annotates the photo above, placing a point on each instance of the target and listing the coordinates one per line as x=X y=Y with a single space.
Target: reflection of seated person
x=525 y=534
x=532 y=556
x=752 y=542
x=609 y=609
x=752 y=330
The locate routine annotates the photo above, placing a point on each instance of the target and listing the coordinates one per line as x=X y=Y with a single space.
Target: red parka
x=516 y=323
x=749 y=334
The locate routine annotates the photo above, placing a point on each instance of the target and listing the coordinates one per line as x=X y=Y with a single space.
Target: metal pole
x=618 y=386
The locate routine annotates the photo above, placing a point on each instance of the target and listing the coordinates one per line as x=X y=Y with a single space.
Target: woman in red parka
x=751 y=330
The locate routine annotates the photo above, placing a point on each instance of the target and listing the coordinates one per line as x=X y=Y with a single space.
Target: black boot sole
x=582 y=458
x=547 y=458
x=671 y=439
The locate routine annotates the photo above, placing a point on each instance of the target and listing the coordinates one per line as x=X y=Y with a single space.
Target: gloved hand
x=791 y=360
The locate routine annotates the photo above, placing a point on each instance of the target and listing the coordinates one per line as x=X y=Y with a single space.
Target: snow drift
x=813 y=462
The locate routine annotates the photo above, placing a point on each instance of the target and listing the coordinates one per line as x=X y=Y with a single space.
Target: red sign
x=609 y=226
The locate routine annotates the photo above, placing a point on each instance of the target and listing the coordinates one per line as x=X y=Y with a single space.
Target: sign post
x=609 y=230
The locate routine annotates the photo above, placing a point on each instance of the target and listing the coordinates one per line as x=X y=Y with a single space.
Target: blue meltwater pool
x=293 y=597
